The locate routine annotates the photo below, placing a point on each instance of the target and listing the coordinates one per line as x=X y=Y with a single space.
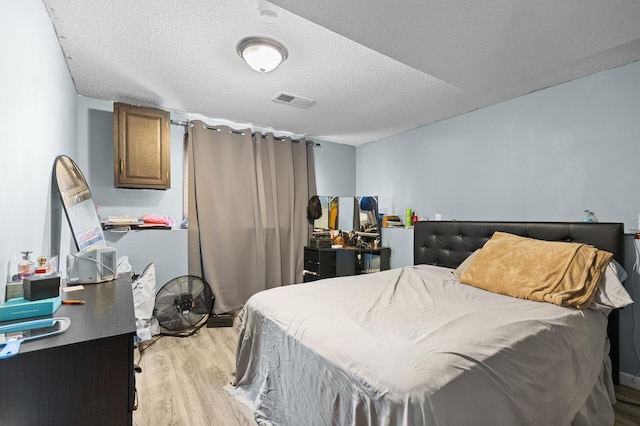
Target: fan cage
x=183 y=303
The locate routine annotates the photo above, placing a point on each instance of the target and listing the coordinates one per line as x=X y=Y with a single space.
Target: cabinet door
x=141 y=147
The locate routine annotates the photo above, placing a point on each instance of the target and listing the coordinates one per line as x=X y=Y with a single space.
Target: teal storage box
x=19 y=308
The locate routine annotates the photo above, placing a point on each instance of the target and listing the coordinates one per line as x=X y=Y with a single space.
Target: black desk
x=322 y=263
x=83 y=376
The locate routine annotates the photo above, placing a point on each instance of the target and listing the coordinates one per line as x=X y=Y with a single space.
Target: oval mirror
x=77 y=202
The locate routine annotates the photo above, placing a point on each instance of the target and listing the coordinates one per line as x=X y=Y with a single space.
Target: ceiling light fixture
x=261 y=53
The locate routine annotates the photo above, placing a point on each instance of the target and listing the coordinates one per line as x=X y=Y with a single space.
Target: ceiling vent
x=289 y=99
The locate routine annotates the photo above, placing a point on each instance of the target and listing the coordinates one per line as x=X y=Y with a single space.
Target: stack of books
x=391 y=221
x=125 y=223
x=121 y=223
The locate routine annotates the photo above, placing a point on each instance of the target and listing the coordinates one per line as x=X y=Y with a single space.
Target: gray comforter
x=413 y=346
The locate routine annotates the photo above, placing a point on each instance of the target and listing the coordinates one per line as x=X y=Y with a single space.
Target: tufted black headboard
x=447 y=244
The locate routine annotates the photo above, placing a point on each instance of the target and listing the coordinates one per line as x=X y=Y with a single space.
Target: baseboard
x=627 y=380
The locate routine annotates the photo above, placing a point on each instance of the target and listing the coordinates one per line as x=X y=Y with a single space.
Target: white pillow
x=620 y=272
x=610 y=293
x=462 y=268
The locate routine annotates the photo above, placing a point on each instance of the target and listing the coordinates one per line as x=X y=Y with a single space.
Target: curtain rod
x=186 y=124
x=240 y=132
x=180 y=123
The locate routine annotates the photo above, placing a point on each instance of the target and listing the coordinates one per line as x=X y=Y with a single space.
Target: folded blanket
x=561 y=273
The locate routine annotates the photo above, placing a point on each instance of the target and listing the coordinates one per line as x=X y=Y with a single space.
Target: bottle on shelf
x=409 y=218
x=585 y=216
x=41 y=268
x=589 y=216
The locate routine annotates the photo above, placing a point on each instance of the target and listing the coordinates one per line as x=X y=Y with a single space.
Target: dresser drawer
x=311 y=255
x=310 y=265
x=320 y=262
x=307 y=277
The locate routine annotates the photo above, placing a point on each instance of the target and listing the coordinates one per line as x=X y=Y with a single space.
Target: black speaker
x=36 y=288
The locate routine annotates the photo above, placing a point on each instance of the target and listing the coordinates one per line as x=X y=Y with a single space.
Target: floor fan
x=183 y=304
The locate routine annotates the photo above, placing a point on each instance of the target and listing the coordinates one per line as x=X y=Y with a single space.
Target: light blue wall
x=545 y=156
x=335 y=169
x=38 y=121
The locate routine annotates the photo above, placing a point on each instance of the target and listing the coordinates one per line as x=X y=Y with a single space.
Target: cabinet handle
x=121 y=166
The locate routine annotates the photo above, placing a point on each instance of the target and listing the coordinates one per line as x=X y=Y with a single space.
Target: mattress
x=413 y=346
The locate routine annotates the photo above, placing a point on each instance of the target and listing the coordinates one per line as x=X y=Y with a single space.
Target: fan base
x=222 y=320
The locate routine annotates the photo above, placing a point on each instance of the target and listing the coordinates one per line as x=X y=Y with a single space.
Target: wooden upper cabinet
x=141 y=147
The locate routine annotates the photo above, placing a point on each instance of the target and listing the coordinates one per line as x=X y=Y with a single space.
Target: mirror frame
x=334 y=218
x=374 y=199
x=77 y=203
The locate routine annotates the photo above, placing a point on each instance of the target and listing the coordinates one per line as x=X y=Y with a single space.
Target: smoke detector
x=268 y=12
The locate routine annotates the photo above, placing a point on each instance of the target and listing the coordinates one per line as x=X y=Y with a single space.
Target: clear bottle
x=26 y=267
x=589 y=216
x=41 y=268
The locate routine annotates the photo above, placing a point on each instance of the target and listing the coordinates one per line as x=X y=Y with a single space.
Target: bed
x=414 y=346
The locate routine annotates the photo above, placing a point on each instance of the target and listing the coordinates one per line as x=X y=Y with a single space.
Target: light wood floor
x=628 y=406
x=182 y=378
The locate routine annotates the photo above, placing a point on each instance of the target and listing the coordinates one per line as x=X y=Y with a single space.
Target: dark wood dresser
x=83 y=376
x=320 y=263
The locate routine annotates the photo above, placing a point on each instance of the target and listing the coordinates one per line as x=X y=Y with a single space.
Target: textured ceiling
x=373 y=68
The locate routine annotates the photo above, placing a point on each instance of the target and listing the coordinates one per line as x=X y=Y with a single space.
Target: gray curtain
x=247 y=210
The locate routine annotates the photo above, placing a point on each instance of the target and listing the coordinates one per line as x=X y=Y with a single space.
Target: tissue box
x=19 y=308
x=36 y=288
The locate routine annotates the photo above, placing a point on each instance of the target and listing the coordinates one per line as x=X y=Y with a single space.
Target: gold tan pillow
x=566 y=274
